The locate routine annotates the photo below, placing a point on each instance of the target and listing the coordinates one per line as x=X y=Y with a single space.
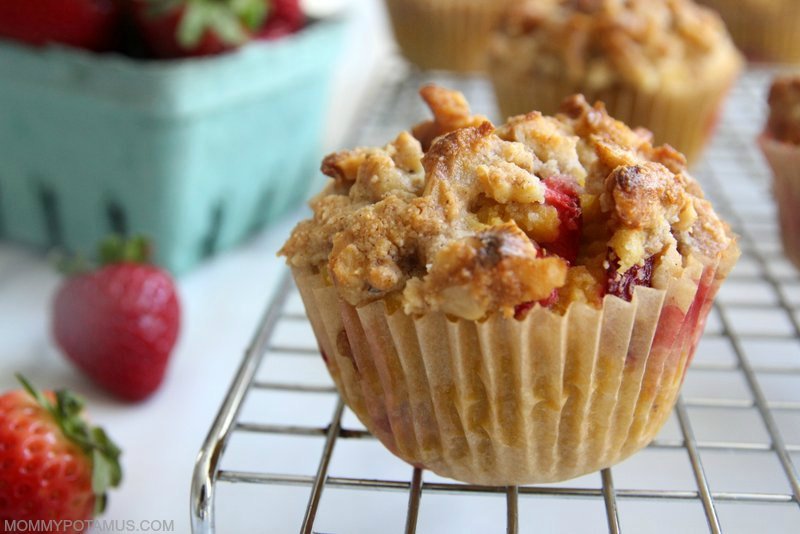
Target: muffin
x=445 y=34
x=765 y=30
x=513 y=304
x=665 y=65
x=780 y=144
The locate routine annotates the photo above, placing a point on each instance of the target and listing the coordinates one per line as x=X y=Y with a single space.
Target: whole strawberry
x=53 y=466
x=285 y=17
x=89 y=24
x=186 y=28
x=119 y=322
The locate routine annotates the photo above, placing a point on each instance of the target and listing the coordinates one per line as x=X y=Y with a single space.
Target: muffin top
x=784 y=110
x=650 y=44
x=470 y=219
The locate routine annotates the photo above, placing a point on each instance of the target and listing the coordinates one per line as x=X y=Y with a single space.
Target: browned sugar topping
x=490 y=219
x=650 y=44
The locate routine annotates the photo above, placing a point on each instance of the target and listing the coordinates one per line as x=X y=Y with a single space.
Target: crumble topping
x=651 y=44
x=541 y=210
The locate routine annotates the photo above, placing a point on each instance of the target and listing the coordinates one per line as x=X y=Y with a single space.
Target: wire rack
x=725 y=461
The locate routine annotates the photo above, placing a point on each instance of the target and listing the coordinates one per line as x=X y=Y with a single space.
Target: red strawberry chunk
x=521 y=310
x=561 y=194
x=622 y=284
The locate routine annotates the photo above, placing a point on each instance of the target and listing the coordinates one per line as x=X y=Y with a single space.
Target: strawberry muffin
x=765 y=30
x=664 y=65
x=510 y=304
x=446 y=34
x=780 y=144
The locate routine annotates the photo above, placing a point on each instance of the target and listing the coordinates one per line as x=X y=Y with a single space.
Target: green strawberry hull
x=196 y=154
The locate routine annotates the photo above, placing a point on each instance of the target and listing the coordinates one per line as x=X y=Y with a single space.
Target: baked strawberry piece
x=622 y=284
x=119 y=323
x=562 y=194
x=53 y=465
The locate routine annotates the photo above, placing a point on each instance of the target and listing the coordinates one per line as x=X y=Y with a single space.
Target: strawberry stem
x=67 y=410
x=113 y=249
x=116 y=249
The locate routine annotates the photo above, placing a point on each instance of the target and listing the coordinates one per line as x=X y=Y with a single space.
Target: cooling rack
x=284 y=454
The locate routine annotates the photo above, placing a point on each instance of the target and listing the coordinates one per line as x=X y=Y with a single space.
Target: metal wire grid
x=738 y=183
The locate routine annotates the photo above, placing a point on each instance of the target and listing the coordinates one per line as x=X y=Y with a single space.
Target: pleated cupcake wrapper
x=445 y=34
x=761 y=32
x=503 y=401
x=685 y=121
x=784 y=158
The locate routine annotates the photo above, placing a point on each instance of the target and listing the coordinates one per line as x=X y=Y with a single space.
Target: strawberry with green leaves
x=119 y=323
x=53 y=465
x=187 y=28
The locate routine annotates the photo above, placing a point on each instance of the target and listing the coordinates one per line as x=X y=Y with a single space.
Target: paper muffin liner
x=508 y=402
x=445 y=34
x=686 y=120
x=763 y=31
x=784 y=158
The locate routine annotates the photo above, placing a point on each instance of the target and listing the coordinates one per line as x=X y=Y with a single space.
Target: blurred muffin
x=765 y=30
x=664 y=65
x=445 y=34
x=780 y=143
x=510 y=305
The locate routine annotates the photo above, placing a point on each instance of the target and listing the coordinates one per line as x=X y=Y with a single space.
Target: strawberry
x=285 y=17
x=521 y=310
x=187 y=28
x=561 y=194
x=622 y=284
x=53 y=465
x=88 y=24
x=119 y=323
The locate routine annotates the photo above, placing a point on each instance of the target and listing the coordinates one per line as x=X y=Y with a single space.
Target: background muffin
x=765 y=30
x=780 y=143
x=445 y=34
x=510 y=305
x=664 y=65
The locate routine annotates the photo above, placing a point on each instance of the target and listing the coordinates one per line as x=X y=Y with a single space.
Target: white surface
x=222 y=302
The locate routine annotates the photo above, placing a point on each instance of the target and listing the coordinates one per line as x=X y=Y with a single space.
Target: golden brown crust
x=450 y=112
x=784 y=110
x=491 y=219
x=650 y=44
x=487 y=271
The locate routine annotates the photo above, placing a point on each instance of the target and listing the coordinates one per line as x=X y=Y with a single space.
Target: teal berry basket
x=196 y=154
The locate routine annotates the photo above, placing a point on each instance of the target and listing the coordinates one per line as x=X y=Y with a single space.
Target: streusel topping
x=547 y=210
x=651 y=44
x=784 y=110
